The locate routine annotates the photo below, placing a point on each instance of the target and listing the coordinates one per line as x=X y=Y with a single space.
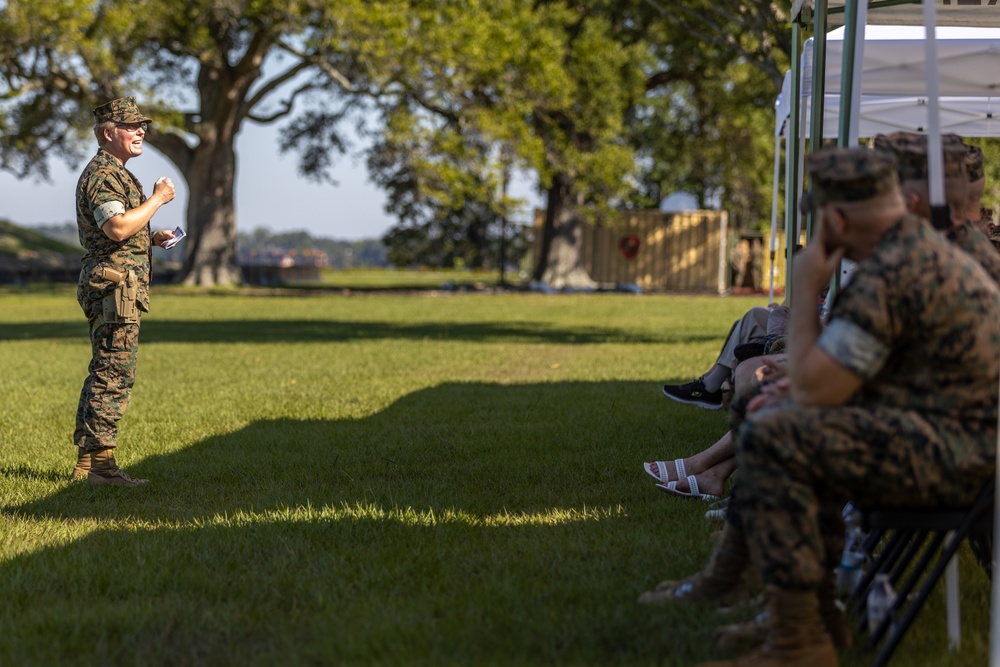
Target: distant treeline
x=342 y=254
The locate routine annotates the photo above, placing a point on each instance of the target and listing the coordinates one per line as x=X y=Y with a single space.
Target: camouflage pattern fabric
x=802 y=464
x=108 y=386
x=921 y=431
x=848 y=175
x=106 y=181
x=971 y=239
x=910 y=150
x=974 y=163
x=122 y=110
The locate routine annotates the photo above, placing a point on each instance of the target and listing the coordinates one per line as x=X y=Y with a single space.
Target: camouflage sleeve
x=108 y=199
x=861 y=329
x=974 y=243
x=853 y=348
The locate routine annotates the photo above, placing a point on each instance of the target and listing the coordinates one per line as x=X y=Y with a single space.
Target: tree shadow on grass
x=465 y=524
x=327 y=331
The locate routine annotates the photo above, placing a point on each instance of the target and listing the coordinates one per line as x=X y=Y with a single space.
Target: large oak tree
x=195 y=65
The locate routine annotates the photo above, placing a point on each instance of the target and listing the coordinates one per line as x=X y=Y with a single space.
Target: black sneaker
x=694 y=393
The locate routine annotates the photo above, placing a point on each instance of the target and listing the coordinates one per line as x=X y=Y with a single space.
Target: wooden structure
x=658 y=252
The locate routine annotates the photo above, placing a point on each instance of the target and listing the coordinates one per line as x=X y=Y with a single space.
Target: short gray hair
x=101 y=127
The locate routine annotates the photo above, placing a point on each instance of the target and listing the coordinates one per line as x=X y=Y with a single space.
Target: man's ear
x=838 y=219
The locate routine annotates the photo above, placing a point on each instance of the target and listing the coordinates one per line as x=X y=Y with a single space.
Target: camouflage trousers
x=108 y=387
x=799 y=466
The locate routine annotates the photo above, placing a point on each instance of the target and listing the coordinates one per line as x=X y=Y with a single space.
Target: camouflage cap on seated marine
x=910 y=149
x=995 y=235
x=880 y=142
x=122 y=110
x=848 y=175
x=974 y=163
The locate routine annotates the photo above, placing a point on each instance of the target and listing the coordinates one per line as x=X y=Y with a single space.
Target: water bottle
x=881 y=597
x=850 y=571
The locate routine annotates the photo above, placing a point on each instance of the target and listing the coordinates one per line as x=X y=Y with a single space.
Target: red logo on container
x=628 y=245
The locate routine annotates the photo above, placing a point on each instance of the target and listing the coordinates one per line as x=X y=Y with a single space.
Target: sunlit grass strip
x=426 y=518
x=430 y=517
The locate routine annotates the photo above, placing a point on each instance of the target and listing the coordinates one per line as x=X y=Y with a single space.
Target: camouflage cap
x=122 y=110
x=880 y=142
x=974 y=163
x=848 y=175
x=911 y=155
x=994 y=233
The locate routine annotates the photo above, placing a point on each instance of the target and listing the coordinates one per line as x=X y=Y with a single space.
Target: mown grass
x=380 y=279
x=370 y=480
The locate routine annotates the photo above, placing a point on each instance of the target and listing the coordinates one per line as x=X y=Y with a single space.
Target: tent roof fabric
x=982 y=13
x=893 y=81
x=894 y=62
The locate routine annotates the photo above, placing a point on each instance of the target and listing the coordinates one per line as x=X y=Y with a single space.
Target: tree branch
x=319 y=61
x=274 y=83
x=175 y=149
x=287 y=104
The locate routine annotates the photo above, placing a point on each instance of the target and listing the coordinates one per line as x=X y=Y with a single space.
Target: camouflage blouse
x=105 y=189
x=920 y=321
x=973 y=241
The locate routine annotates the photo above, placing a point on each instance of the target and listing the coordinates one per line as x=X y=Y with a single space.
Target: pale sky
x=269 y=193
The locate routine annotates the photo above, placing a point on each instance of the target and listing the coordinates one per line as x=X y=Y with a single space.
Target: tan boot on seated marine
x=834 y=616
x=105 y=472
x=83 y=464
x=751 y=634
x=721 y=583
x=797 y=636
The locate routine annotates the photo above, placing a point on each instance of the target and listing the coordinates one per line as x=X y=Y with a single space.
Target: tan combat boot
x=746 y=635
x=753 y=633
x=105 y=472
x=831 y=610
x=83 y=464
x=797 y=637
x=720 y=583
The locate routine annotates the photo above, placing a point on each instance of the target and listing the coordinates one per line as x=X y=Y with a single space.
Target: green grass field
x=373 y=479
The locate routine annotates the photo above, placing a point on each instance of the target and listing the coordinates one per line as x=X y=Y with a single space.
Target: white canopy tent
x=893 y=91
x=931 y=15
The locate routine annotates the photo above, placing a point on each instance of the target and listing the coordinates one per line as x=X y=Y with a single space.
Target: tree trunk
x=559 y=262
x=210 y=256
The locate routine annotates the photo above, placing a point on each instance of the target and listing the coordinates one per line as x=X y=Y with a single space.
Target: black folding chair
x=914 y=546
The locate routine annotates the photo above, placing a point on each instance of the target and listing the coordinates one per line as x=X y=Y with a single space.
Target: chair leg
x=951 y=545
x=914 y=608
x=903 y=591
x=884 y=562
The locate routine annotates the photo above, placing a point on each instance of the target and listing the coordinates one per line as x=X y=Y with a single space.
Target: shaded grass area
x=383 y=279
x=370 y=480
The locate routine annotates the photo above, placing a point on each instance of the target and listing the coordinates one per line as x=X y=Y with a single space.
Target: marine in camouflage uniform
x=903 y=412
x=978 y=224
x=113 y=220
x=964 y=181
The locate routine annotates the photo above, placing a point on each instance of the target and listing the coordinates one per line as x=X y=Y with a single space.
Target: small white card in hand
x=178 y=235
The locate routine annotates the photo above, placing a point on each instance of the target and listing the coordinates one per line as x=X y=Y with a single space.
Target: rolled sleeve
x=853 y=347
x=108 y=210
